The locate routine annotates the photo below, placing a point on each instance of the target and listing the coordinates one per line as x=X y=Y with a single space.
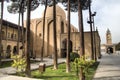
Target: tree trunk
x=1 y=22
x=68 y=41
x=54 y=35
x=18 y=40
x=92 y=51
x=81 y=31
x=23 y=32
x=42 y=52
x=28 y=72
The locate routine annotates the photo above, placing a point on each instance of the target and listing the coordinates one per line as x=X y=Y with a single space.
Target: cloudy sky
x=107 y=17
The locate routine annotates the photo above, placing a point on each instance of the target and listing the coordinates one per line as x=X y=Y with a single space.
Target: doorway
x=64 y=48
x=109 y=50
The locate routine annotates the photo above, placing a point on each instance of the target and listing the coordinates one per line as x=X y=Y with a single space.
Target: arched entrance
x=109 y=50
x=8 y=51
x=64 y=48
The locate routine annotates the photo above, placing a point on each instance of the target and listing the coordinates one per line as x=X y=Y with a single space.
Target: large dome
x=59 y=12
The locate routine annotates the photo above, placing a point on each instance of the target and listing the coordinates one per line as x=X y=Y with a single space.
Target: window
x=12 y=36
x=8 y=35
x=3 y=35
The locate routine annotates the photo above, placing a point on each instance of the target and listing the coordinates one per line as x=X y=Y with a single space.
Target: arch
x=48 y=36
x=35 y=37
x=50 y=20
x=36 y=28
x=8 y=51
x=109 y=50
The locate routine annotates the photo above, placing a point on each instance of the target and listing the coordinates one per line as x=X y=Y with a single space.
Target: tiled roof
x=10 y=24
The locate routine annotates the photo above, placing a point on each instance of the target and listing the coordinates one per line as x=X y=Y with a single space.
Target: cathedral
x=10 y=36
x=61 y=25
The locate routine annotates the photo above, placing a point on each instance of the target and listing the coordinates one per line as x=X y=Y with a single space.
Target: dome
x=59 y=12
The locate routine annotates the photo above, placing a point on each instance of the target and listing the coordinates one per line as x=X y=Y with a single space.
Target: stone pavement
x=17 y=78
x=5 y=72
x=109 y=67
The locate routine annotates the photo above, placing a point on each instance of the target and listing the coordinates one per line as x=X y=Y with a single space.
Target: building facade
x=61 y=25
x=109 y=47
x=9 y=39
x=10 y=36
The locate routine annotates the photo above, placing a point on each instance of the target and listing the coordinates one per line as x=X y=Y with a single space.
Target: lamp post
x=93 y=15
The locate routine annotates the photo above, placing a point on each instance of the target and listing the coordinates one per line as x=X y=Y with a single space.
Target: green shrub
x=83 y=63
x=73 y=55
x=19 y=63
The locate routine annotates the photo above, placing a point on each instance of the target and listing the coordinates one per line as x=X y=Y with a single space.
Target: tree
x=90 y=22
x=81 y=31
x=68 y=40
x=42 y=52
x=1 y=22
x=74 y=7
x=54 y=35
x=79 y=6
x=53 y=4
x=28 y=73
x=30 y=5
x=67 y=4
x=82 y=5
x=23 y=31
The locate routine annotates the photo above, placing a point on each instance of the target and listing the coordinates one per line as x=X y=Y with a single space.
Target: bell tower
x=108 y=37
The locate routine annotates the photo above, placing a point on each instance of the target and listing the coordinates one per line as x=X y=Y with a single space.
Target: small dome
x=59 y=12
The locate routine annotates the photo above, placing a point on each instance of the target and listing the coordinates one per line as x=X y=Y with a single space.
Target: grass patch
x=61 y=74
x=6 y=64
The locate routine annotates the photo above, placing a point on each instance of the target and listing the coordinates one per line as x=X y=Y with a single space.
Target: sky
x=107 y=17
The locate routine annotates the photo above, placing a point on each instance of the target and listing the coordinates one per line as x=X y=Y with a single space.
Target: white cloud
x=108 y=16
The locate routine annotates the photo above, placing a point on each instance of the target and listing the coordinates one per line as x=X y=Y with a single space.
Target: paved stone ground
x=5 y=72
x=109 y=67
x=17 y=78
